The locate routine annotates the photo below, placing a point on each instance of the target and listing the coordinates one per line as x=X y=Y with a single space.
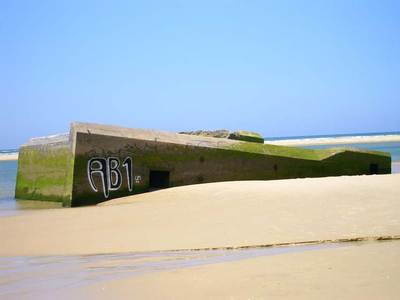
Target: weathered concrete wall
x=192 y=163
x=98 y=163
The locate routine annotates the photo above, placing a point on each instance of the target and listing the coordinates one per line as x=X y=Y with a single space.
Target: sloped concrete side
x=350 y=162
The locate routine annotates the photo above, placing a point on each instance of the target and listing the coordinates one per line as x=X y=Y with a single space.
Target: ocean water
x=8 y=171
x=8 y=204
x=392 y=147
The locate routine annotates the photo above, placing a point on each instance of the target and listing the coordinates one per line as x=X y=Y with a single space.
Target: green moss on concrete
x=297 y=152
x=69 y=180
x=284 y=151
x=247 y=136
x=42 y=173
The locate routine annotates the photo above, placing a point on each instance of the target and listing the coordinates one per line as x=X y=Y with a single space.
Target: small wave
x=8 y=151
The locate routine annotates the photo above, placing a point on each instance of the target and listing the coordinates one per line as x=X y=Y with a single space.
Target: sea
x=8 y=169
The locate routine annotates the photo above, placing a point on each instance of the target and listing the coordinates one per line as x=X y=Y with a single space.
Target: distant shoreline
x=8 y=156
x=336 y=140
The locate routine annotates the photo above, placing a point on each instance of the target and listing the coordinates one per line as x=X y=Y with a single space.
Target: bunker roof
x=193 y=140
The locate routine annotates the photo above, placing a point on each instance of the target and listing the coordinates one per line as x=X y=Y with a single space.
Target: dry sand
x=228 y=214
x=337 y=140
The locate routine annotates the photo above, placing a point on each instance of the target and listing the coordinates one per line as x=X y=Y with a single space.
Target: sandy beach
x=228 y=215
x=337 y=140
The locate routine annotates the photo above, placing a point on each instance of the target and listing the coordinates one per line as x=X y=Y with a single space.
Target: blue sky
x=277 y=67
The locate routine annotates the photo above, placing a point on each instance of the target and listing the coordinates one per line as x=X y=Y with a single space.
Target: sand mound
x=228 y=214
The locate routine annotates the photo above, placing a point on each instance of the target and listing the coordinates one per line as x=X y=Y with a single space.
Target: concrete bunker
x=94 y=163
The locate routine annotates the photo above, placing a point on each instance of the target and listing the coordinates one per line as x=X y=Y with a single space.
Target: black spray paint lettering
x=110 y=174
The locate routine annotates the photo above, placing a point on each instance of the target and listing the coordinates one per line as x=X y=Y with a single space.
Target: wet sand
x=38 y=277
x=227 y=214
x=365 y=271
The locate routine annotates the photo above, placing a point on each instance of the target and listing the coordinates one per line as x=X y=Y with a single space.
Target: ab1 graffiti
x=108 y=170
